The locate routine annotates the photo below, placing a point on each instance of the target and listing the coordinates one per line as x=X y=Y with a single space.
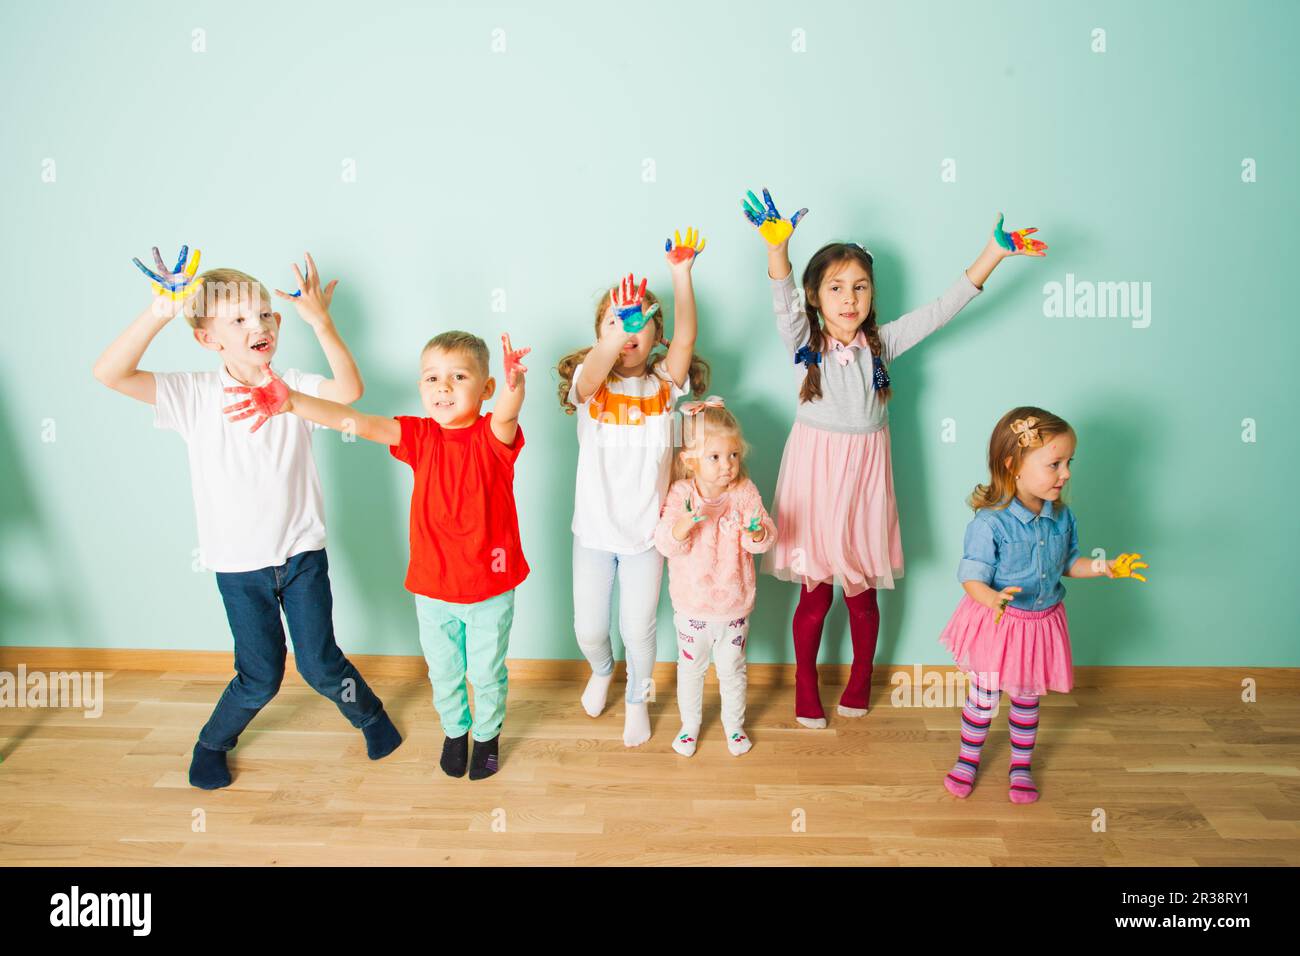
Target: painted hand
x=695 y=516
x=309 y=283
x=771 y=226
x=1018 y=243
x=1126 y=566
x=175 y=284
x=755 y=522
x=677 y=252
x=1007 y=593
x=263 y=400
x=513 y=366
x=626 y=299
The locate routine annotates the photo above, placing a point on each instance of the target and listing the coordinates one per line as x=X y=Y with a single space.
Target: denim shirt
x=1014 y=546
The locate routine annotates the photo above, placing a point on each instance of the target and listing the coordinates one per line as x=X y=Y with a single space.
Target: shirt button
x=1042 y=575
x=1040 y=540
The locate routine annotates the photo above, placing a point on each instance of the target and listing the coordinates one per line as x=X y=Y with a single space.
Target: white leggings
x=727 y=641
x=639 y=576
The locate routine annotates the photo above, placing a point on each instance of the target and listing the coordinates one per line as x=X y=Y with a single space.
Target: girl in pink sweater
x=713 y=520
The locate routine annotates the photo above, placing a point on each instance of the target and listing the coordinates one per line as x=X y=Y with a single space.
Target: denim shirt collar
x=1025 y=515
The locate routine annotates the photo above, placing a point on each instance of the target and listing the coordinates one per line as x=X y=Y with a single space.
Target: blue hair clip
x=879 y=377
x=807 y=357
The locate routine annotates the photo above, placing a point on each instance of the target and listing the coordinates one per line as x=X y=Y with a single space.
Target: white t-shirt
x=625 y=445
x=257 y=496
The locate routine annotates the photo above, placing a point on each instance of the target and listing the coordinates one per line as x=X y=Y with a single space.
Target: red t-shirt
x=464 y=529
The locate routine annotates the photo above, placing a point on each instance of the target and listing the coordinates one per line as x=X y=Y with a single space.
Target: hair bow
x=807 y=357
x=879 y=377
x=694 y=408
x=1025 y=431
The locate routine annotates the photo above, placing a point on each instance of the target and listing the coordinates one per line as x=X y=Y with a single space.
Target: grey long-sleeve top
x=848 y=402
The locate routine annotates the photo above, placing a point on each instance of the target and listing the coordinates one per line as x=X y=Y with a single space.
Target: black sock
x=382 y=737
x=208 y=770
x=455 y=754
x=484 y=762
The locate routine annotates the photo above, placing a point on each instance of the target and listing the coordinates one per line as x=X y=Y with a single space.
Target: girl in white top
x=622 y=391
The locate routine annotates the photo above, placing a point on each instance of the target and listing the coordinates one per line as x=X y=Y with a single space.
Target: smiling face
x=636 y=353
x=243 y=327
x=453 y=386
x=716 y=464
x=1045 y=470
x=844 y=298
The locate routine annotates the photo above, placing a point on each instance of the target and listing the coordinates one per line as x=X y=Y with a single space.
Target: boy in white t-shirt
x=257 y=496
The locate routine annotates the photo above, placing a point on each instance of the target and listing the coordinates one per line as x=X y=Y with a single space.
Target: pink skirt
x=1026 y=654
x=835 y=513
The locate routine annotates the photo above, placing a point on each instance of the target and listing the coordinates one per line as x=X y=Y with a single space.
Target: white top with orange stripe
x=625 y=445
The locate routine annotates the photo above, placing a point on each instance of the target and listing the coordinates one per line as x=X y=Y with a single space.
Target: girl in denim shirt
x=1009 y=631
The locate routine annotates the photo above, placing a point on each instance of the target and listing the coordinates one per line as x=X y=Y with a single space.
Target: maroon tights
x=864 y=627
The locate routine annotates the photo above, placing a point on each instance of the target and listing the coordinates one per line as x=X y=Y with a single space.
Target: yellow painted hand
x=771 y=226
x=1126 y=566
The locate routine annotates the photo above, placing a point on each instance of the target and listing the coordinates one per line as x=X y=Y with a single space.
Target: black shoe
x=484 y=762
x=455 y=754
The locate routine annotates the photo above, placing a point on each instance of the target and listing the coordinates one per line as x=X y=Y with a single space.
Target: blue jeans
x=253 y=599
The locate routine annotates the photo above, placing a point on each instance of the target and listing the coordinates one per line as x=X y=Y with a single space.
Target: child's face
x=638 y=348
x=844 y=298
x=1045 y=470
x=453 y=388
x=717 y=463
x=246 y=331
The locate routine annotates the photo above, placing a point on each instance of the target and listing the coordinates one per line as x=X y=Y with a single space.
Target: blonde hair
x=1033 y=428
x=218 y=287
x=711 y=421
x=466 y=343
x=699 y=370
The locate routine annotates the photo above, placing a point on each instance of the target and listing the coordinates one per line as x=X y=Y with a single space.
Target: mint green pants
x=467 y=641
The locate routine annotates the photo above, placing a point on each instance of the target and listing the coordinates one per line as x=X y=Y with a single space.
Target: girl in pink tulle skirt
x=834 y=500
x=1009 y=632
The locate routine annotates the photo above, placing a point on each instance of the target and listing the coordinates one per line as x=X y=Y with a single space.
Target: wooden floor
x=1167 y=767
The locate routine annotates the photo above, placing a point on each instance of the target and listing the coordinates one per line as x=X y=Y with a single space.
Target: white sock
x=597 y=692
x=816 y=723
x=850 y=711
x=738 y=743
x=686 y=739
x=636 y=725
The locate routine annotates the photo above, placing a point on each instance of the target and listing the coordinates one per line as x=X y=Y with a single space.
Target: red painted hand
x=263 y=400
x=513 y=366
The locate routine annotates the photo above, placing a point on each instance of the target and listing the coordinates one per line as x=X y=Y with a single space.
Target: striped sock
x=1023 y=723
x=975 y=719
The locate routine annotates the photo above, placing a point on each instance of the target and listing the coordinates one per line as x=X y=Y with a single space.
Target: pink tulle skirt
x=835 y=512
x=1026 y=654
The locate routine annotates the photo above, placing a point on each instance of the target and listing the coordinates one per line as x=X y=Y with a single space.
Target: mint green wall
x=523 y=171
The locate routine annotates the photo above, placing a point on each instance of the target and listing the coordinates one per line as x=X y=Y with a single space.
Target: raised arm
x=791 y=319
x=118 y=367
x=505 y=413
x=624 y=319
x=312 y=304
x=681 y=258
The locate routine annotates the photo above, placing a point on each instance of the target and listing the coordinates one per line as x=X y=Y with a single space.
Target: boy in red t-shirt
x=465 y=555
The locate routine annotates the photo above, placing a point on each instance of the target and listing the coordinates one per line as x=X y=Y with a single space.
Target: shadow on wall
x=368 y=518
x=37 y=602
x=1109 y=619
x=37 y=605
